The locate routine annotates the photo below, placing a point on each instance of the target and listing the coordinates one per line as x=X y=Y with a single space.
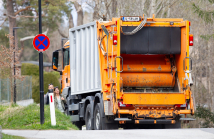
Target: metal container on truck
x=131 y=72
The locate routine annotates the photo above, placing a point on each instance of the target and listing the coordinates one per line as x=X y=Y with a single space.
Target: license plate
x=129 y=19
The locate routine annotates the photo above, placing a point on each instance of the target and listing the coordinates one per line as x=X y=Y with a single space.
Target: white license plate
x=131 y=18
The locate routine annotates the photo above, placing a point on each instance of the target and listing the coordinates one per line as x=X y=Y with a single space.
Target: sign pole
x=41 y=84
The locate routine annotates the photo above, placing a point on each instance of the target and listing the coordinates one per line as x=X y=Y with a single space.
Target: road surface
x=194 y=133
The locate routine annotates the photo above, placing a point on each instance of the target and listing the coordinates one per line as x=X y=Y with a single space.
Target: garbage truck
x=130 y=72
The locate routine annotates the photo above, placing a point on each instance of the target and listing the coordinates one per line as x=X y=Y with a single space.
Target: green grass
x=5 y=136
x=18 y=117
x=2 y=108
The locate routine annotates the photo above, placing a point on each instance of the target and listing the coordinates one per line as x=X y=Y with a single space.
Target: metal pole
x=30 y=87
x=41 y=70
x=41 y=88
x=8 y=90
x=22 y=91
x=14 y=80
x=14 y=61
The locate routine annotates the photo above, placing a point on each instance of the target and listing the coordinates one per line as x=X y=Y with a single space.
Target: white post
x=52 y=109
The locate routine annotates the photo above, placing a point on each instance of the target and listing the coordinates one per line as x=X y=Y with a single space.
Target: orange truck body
x=148 y=88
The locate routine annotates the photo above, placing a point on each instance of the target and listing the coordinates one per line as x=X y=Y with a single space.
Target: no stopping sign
x=41 y=42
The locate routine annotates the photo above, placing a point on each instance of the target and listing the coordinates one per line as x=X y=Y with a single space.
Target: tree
x=24 y=14
x=102 y=8
x=4 y=39
x=12 y=21
x=6 y=70
x=205 y=12
x=206 y=15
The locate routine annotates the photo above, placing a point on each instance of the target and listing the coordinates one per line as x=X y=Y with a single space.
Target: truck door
x=66 y=69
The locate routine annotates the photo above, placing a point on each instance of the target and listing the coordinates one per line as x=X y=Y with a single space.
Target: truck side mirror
x=55 y=60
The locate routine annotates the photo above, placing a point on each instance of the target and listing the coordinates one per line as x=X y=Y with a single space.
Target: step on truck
x=131 y=72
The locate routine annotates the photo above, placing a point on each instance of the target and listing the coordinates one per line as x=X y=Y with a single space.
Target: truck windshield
x=66 y=57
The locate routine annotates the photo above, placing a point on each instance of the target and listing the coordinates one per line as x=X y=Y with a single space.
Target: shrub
x=49 y=77
x=29 y=69
x=35 y=89
x=206 y=115
x=56 y=74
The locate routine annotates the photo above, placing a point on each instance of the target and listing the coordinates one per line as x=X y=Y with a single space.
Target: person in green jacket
x=59 y=100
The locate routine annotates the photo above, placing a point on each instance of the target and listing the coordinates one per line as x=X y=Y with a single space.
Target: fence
x=23 y=89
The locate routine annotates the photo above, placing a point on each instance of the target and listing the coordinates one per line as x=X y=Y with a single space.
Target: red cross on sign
x=41 y=42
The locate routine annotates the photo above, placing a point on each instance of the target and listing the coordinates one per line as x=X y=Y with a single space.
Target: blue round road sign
x=41 y=42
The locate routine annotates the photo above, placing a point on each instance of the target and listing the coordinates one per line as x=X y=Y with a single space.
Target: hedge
x=49 y=77
x=29 y=69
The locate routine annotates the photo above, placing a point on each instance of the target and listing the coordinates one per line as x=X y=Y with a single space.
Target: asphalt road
x=196 y=133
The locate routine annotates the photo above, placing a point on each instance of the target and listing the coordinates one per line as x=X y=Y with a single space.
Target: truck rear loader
x=131 y=72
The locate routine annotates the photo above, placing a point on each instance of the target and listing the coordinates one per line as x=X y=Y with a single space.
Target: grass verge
x=18 y=117
x=3 y=107
x=5 y=136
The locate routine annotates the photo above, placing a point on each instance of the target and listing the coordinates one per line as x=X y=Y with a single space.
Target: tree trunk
x=200 y=76
x=207 y=66
x=168 y=12
x=79 y=10
x=142 y=8
x=152 y=8
x=71 y=21
x=114 y=8
x=96 y=13
x=211 y=74
x=12 y=21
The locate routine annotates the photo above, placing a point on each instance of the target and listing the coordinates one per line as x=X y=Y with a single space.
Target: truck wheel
x=78 y=124
x=109 y=124
x=97 y=117
x=88 y=118
x=129 y=126
x=176 y=125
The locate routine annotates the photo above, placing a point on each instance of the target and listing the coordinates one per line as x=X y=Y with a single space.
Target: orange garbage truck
x=131 y=72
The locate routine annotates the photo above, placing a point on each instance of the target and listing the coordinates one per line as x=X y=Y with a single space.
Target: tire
x=109 y=124
x=129 y=126
x=176 y=125
x=78 y=124
x=88 y=118
x=66 y=112
x=97 y=117
x=68 y=103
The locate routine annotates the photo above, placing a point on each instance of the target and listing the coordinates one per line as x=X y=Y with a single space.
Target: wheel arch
x=99 y=99
x=65 y=91
x=89 y=100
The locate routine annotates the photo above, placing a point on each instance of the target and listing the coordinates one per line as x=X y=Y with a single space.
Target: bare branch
x=31 y=37
x=90 y=5
x=109 y=4
x=4 y=21
x=24 y=9
x=164 y=5
x=23 y=16
x=62 y=34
